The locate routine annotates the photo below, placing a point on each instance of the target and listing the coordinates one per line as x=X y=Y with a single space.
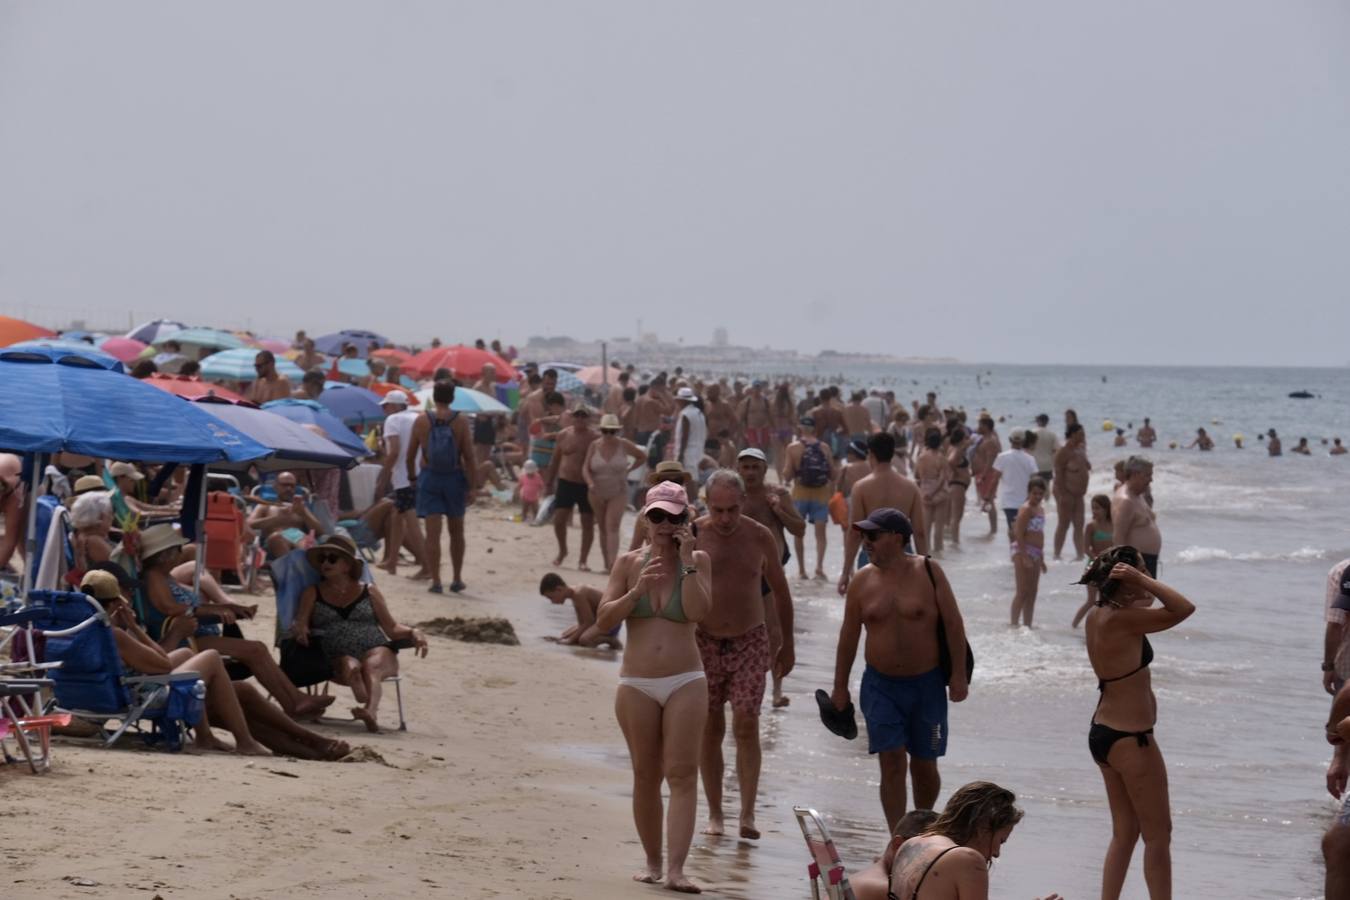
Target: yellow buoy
x=1108 y=425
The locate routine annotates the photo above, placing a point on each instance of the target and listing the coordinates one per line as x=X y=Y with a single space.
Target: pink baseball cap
x=668 y=496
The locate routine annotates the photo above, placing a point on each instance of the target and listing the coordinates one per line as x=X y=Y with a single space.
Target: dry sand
x=479 y=798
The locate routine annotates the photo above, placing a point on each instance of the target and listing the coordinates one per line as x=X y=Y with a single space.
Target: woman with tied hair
x=92 y=518
x=951 y=860
x=1121 y=734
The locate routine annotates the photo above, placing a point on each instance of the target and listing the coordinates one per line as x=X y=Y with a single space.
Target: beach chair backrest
x=90 y=675
x=291 y=574
x=825 y=862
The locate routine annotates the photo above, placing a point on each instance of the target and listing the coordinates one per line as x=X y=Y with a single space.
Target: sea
x=1247 y=537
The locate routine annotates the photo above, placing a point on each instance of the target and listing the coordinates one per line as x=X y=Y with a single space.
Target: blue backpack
x=442 y=451
x=814 y=470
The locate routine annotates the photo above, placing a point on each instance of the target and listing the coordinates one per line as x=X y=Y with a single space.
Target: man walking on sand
x=394 y=480
x=442 y=443
x=566 y=467
x=884 y=488
x=982 y=470
x=1072 y=471
x=746 y=633
x=900 y=599
x=810 y=468
x=1133 y=521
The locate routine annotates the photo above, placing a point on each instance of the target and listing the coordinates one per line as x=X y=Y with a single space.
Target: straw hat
x=335 y=543
x=665 y=469
x=158 y=538
x=100 y=585
x=86 y=483
x=610 y=422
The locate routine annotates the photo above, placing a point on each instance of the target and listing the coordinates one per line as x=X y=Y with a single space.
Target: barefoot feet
x=676 y=881
x=714 y=826
x=361 y=714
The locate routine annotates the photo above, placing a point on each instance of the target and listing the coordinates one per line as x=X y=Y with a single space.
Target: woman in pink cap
x=662 y=591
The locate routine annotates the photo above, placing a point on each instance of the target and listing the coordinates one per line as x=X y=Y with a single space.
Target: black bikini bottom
x=1102 y=738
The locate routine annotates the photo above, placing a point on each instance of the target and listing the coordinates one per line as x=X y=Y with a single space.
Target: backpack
x=814 y=469
x=442 y=450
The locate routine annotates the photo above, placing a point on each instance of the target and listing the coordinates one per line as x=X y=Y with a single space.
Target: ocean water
x=1247 y=537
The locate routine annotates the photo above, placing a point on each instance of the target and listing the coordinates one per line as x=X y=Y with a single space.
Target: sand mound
x=476 y=631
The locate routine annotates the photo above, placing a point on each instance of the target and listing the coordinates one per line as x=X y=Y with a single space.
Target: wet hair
x=978 y=806
x=1037 y=481
x=882 y=446
x=914 y=823
x=550 y=583
x=1137 y=464
x=1103 y=501
x=89 y=509
x=144 y=369
x=443 y=392
x=932 y=439
x=1072 y=430
x=1098 y=569
x=728 y=478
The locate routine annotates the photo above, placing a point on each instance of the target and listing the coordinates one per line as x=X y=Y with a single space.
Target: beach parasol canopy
x=465 y=362
x=125 y=349
x=78 y=349
x=353 y=405
x=88 y=337
x=14 y=330
x=293 y=446
x=51 y=401
x=278 y=346
x=467 y=400
x=597 y=376
x=355 y=368
x=154 y=330
x=391 y=355
x=192 y=388
x=569 y=383
x=384 y=387
x=205 y=338
x=237 y=365
x=307 y=412
x=561 y=366
x=361 y=340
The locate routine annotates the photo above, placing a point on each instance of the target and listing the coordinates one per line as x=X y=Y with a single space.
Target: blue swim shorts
x=905 y=713
x=813 y=511
x=441 y=494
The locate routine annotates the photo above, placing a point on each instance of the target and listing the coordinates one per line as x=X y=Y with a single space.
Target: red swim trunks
x=735 y=668
x=758 y=437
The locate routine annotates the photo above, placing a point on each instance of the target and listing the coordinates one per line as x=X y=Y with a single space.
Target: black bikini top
x=890 y=894
x=1145 y=657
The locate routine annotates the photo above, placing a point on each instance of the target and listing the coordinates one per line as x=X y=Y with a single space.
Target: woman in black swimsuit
x=952 y=858
x=1120 y=737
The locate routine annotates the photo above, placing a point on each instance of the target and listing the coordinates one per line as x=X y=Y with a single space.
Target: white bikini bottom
x=660 y=689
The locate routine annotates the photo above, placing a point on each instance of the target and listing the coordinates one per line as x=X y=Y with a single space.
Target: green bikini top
x=674 y=608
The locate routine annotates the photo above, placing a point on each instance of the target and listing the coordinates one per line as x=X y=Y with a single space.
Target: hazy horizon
x=1050 y=182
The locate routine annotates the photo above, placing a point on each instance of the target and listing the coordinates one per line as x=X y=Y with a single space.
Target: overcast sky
x=1039 y=181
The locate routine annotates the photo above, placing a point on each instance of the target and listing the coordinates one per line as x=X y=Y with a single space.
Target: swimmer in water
x=1336 y=448
x=1028 y=552
x=1097 y=540
x=1202 y=440
x=1120 y=438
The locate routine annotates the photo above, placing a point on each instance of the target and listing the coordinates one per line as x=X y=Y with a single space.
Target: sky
x=1049 y=181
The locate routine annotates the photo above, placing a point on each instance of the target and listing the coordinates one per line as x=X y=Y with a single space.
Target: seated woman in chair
x=238 y=707
x=167 y=600
x=356 y=630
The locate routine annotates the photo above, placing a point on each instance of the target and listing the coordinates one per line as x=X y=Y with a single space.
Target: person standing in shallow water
x=1072 y=471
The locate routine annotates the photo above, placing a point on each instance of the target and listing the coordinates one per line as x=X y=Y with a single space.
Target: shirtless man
x=772 y=507
x=720 y=415
x=614 y=403
x=1133 y=521
x=1146 y=435
x=756 y=417
x=899 y=597
x=585 y=601
x=884 y=488
x=829 y=419
x=982 y=469
x=269 y=385
x=810 y=468
x=746 y=633
x=650 y=408
x=565 y=467
x=309 y=357
x=857 y=419
x=288 y=512
x=487 y=380
x=1072 y=470
x=1273 y=445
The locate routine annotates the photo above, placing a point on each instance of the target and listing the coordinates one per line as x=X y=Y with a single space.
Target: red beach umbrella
x=392 y=355
x=14 y=330
x=192 y=388
x=465 y=362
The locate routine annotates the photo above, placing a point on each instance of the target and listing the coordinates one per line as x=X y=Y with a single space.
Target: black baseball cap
x=888 y=520
x=1342 y=600
x=808 y=422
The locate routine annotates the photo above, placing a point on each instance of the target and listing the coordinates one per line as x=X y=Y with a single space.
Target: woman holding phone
x=1121 y=734
x=662 y=701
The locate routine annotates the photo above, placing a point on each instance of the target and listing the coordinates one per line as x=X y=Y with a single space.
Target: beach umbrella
x=596 y=376
x=361 y=340
x=384 y=387
x=307 y=412
x=192 y=388
x=391 y=355
x=468 y=400
x=561 y=366
x=465 y=362
x=293 y=446
x=355 y=368
x=569 y=383
x=89 y=337
x=353 y=405
x=205 y=338
x=237 y=365
x=278 y=346
x=14 y=330
x=78 y=349
x=125 y=349
x=154 y=330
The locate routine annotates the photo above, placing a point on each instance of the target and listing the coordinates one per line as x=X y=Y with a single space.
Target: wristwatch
x=688 y=570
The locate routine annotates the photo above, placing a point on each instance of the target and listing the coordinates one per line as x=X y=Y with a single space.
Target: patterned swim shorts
x=735 y=668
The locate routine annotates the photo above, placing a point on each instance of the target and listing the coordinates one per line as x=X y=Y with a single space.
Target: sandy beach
x=474 y=800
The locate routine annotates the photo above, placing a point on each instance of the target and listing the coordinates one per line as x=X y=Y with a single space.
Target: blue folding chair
x=91 y=683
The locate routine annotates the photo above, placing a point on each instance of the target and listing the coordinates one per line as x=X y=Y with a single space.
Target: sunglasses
x=657 y=516
x=326 y=558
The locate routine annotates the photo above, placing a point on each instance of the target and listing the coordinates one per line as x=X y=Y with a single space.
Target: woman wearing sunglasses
x=357 y=628
x=662 y=700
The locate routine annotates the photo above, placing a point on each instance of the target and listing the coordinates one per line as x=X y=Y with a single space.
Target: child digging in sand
x=585 y=600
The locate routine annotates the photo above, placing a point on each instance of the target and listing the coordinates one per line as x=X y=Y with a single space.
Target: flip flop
x=840 y=721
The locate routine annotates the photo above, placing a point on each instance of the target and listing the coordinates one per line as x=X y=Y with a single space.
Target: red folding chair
x=826 y=867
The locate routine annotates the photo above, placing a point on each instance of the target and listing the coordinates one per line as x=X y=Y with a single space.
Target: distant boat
x=1300 y=395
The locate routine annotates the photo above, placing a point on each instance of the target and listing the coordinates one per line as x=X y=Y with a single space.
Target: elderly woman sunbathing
x=256 y=724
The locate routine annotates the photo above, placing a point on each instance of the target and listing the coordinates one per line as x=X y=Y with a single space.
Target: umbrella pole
x=604 y=363
x=30 y=563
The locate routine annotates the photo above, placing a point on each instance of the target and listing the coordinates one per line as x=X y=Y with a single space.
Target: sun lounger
x=826 y=867
x=91 y=684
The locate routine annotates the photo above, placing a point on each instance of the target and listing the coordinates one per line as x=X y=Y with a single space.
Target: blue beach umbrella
x=307 y=412
x=356 y=368
x=154 y=330
x=352 y=404
x=206 y=338
x=77 y=349
x=467 y=400
x=237 y=365
x=293 y=446
x=361 y=340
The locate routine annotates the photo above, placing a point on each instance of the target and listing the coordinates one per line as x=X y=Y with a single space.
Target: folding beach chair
x=826 y=866
x=307 y=666
x=90 y=683
x=27 y=728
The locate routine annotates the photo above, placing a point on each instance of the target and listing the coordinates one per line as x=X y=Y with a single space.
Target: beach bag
x=814 y=470
x=944 y=653
x=839 y=509
x=182 y=709
x=442 y=451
